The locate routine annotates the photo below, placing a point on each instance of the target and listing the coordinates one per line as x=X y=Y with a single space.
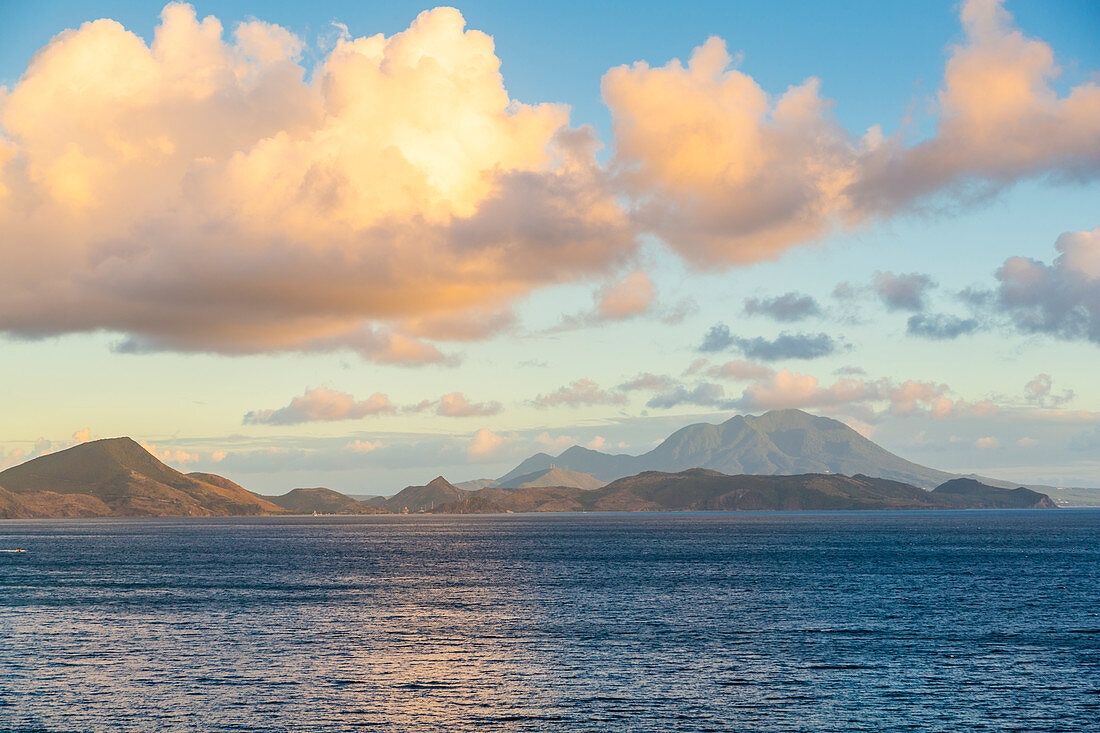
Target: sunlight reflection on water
x=853 y=621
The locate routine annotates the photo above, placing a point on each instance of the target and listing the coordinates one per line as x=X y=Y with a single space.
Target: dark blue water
x=679 y=622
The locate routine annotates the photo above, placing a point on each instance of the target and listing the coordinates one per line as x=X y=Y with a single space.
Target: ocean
x=753 y=621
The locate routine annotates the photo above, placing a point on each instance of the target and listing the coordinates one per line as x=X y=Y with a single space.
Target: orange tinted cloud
x=727 y=174
x=722 y=172
x=197 y=193
x=1001 y=119
x=630 y=296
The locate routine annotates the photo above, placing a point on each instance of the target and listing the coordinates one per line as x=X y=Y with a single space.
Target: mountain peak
x=787 y=441
x=440 y=483
x=116 y=476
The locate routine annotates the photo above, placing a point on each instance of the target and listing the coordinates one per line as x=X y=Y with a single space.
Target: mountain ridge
x=779 y=442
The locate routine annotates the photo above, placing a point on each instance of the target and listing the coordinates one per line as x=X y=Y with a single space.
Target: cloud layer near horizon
x=205 y=193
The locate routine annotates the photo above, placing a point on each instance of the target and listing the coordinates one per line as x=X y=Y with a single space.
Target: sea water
x=853 y=621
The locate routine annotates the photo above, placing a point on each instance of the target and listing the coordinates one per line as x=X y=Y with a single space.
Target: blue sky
x=879 y=64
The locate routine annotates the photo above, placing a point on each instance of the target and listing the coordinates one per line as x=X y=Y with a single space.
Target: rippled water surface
x=684 y=622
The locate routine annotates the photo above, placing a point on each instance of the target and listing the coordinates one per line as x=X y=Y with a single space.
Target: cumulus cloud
x=208 y=193
x=456 y=404
x=704 y=395
x=788 y=389
x=785 y=308
x=581 y=393
x=485 y=445
x=1040 y=391
x=1061 y=299
x=902 y=292
x=987 y=443
x=940 y=326
x=322 y=404
x=1001 y=120
x=721 y=172
x=727 y=174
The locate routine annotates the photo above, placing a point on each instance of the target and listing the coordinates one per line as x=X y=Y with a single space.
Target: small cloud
x=647 y=381
x=582 y=392
x=1027 y=442
x=902 y=292
x=1039 y=391
x=703 y=395
x=696 y=366
x=845 y=291
x=738 y=369
x=322 y=405
x=628 y=297
x=555 y=443
x=940 y=327
x=678 y=311
x=987 y=443
x=171 y=455
x=485 y=444
x=718 y=338
x=784 y=346
x=787 y=346
x=786 y=308
x=456 y=404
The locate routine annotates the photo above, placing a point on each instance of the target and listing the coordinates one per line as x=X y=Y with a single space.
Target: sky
x=361 y=245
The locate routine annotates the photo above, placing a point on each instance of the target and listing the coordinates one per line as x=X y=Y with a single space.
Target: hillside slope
x=117 y=477
x=322 y=501
x=777 y=442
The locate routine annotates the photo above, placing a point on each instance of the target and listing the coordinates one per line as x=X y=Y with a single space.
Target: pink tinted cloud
x=457 y=404
x=322 y=404
x=581 y=393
